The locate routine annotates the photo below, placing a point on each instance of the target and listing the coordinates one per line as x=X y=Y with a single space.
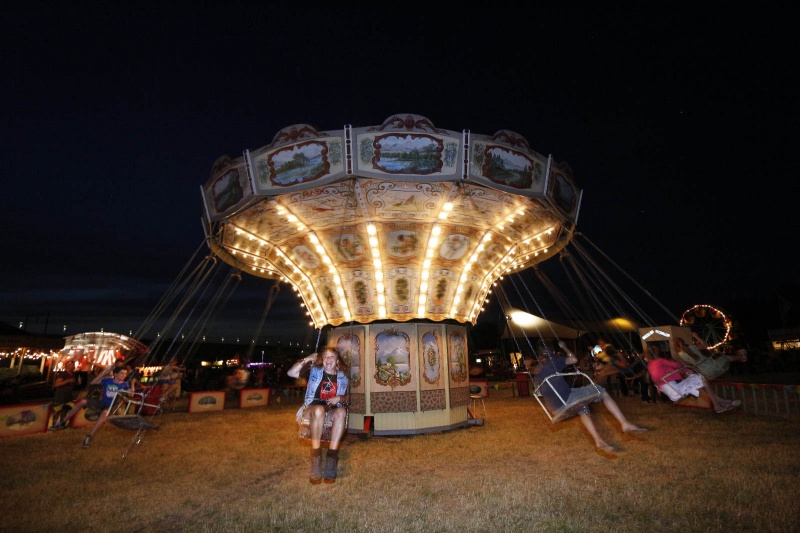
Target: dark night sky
x=678 y=125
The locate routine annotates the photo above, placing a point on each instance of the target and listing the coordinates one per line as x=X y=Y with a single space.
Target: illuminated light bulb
x=436 y=230
x=371 y=229
x=291 y=218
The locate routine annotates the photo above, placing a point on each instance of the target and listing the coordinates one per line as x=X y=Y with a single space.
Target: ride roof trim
x=399 y=221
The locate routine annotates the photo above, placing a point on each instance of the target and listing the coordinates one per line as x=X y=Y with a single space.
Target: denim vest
x=315 y=378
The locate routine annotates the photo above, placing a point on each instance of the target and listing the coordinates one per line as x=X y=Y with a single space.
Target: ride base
x=405 y=378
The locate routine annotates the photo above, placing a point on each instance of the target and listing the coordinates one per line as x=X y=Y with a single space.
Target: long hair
x=340 y=363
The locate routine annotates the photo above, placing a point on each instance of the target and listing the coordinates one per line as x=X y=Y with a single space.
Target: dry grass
x=245 y=470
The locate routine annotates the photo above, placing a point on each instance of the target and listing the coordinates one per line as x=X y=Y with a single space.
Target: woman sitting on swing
x=678 y=381
x=699 y=357
x=549 y=366
x=325 y=400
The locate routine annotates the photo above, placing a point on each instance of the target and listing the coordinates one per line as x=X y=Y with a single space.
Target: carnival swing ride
x=393 y=237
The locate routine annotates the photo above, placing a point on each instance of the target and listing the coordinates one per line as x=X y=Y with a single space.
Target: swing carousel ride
x=392 y=236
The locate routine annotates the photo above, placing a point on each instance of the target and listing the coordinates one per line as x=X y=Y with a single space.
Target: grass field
x=246 y=470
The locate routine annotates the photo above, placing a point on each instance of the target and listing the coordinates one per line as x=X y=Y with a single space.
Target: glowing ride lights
x=709 y=322
x=399 y=222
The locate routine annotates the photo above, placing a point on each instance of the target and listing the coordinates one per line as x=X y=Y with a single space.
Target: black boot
x=331 y=462
x=315 y=477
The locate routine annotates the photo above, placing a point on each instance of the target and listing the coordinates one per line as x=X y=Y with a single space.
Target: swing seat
x=144 y=402
x=709 y=367
x=567 y=409
x=303 y=418
x=670 y=388
x=147 y=402
x=135 y=422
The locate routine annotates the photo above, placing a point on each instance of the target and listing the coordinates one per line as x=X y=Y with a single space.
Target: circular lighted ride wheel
x=709 y=323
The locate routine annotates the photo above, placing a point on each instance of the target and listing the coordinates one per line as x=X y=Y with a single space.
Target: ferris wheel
x=709 y=323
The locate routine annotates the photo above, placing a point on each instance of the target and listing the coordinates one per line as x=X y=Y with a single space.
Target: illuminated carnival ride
x=392 y=235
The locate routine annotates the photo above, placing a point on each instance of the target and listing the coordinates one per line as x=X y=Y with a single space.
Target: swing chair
x=567 y=409
x=548 y=387
x=128 y=410
x=676 y=393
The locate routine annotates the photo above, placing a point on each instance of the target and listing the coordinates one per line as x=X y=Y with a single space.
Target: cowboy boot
x=315 y=476
x=331 y=462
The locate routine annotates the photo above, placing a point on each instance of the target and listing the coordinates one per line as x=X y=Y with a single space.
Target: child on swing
x=554 y=364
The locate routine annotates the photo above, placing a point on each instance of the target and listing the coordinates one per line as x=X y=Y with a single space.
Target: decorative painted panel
x=395 y=357
x=350 y=342
x=457 y=356
x=229 y=188
x=431 y=352
x=394 y=402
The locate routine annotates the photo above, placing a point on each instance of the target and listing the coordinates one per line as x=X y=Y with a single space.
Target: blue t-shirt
x=110 y=388
x=547 y=367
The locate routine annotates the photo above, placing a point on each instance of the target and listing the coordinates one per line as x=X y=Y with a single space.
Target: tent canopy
x=523 y=324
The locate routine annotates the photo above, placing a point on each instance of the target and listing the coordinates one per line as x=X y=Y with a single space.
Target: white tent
x=522 y=324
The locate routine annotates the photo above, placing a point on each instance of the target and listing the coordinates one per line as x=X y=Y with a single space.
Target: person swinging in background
x=678 y=381
x=109 y=387
x=548 y=365
x=325 y=403
x=699 y=357
x=614 y=366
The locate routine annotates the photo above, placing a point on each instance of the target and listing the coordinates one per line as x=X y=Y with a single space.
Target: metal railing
x=759 y=398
